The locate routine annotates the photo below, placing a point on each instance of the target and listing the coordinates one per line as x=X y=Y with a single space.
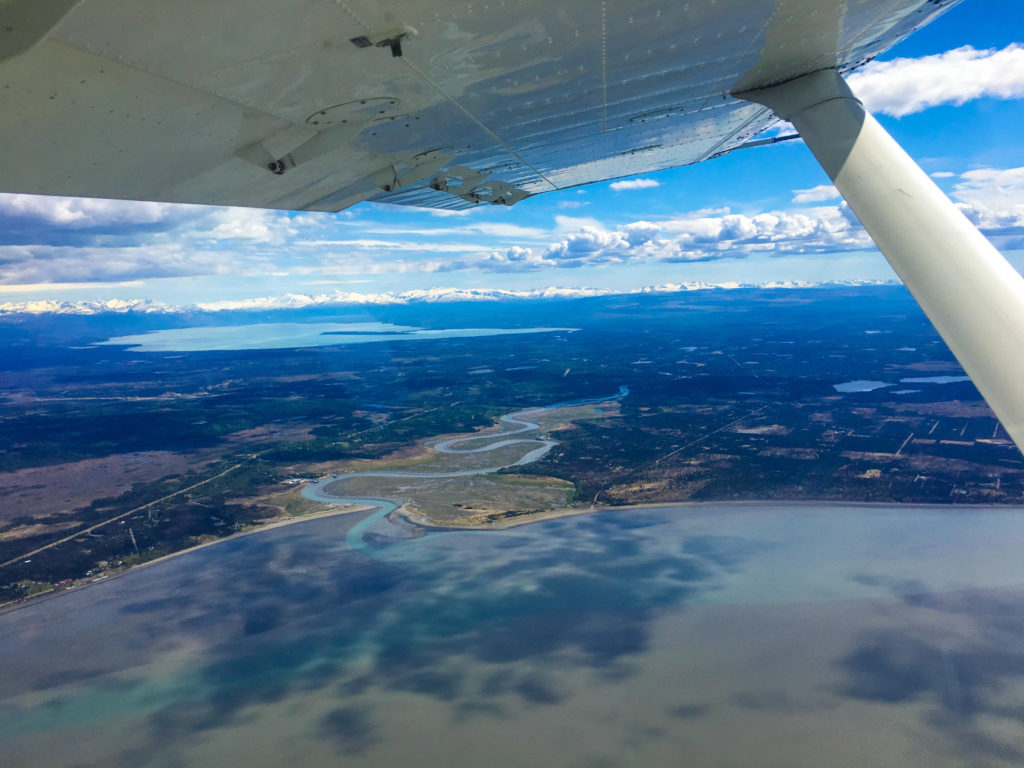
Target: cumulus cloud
x=442 y=213
x=905 y=86
x=270 y=227
x=999 y=188
x=515 y=259
x=222 y=241
x=568 y=224
x=993 y=199
x=495 y=229
x=62 y=264
x=707 y=237
x=88 y=222
x=621 y=186
x=91 y=212
x=819 y=194
x=27 y=287
x=370 y=244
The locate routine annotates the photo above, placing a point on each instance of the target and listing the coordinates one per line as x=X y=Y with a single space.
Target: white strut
x=972 y=295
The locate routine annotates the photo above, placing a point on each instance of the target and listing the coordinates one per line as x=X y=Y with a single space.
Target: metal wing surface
x=317 y=105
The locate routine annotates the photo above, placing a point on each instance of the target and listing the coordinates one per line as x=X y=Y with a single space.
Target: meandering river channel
x=508 y=425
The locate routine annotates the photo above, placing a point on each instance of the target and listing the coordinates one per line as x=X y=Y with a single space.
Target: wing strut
x=972 y=295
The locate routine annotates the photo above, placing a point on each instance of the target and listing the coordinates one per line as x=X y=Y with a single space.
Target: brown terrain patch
x=871 y=456
x=38 y=529
x=954 y=408
x=762 y=429
x=939 y=464
x=59 y=488
x=293 y=432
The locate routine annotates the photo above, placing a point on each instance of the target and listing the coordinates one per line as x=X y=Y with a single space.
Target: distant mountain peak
x=418 y=296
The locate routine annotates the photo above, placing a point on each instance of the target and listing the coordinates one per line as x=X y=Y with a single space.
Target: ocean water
x=757 y=634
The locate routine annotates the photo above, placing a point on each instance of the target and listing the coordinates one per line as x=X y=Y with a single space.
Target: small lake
x=935 y=380
x=860 y=385
x=291 y=335
x=746 y=634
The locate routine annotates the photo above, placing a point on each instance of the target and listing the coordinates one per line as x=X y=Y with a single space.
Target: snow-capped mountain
x=347 y=298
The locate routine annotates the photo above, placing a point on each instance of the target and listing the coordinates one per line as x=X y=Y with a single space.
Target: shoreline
x=371 y=504
x=255 y=529
x=561 y=512
x=429 y=526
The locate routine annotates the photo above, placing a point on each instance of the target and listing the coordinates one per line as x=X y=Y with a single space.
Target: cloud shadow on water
x=967 y=681
x=350 y=728
x=290 y=612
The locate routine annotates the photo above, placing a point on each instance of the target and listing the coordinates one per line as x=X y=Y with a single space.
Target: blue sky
x=958 y=112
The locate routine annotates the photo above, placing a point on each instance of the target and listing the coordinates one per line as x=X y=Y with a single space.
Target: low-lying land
x=474 y=496
x=111 y=458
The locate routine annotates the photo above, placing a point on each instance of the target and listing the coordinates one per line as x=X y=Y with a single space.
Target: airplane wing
x=320 y=104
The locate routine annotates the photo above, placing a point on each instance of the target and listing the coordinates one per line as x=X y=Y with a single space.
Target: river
x=330 y=489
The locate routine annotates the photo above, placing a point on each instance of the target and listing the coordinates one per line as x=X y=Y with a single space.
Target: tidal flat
x=769 y=634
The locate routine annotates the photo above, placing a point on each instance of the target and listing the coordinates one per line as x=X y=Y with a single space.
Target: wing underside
x=317 y=105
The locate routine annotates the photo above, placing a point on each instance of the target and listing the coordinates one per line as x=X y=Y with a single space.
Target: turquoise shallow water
x=730 y=634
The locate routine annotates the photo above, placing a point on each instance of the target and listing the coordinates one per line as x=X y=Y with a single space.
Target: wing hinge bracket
x=476 y=187
x=390 y=38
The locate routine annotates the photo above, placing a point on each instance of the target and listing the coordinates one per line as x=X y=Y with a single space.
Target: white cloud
x=819 y=194
x=943 y=175
x=568 y=224
x=991 y=188
x=370 y=244
x=993 y=199
x=710 y=237
x=515 y=259
x=442 y=213
x=488 y=228
x=92 y=212
x=224 y=242
x=905 y=86
x=67 y=264
x=88 y=220
x=35 y=287
x=620 y=186
x=249 y=224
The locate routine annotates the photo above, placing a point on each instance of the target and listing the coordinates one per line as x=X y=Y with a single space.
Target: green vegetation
x=333 y=442
x=731 y=397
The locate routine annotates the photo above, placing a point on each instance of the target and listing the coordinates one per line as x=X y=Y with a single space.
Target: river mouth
x=512 y=432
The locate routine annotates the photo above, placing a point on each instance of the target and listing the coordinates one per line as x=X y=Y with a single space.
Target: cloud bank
x=905 y=86
x=226 y=242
